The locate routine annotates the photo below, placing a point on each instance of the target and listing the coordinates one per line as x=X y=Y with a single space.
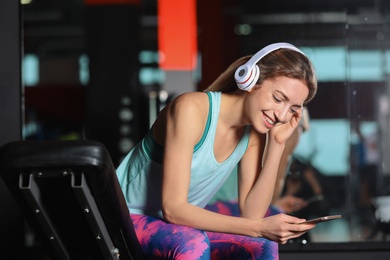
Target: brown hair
x=281 y=62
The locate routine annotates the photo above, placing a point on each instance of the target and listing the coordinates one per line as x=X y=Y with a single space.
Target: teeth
x=269 y=120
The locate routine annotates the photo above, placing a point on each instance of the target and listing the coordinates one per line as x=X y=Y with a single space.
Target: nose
x=282 y=114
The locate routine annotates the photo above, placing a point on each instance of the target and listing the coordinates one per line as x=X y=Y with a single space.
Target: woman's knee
x=189 y=243
x=242 y=247
x=161 y=239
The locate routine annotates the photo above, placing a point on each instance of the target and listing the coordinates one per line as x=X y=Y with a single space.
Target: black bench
x=69 y=194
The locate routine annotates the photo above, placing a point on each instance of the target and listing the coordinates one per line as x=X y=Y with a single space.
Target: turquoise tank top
x=140 y=173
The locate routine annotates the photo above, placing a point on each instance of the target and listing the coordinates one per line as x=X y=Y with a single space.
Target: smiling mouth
x=269 y=120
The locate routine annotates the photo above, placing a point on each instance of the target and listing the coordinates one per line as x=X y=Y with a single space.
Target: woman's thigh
x=230 y=246
x=162 y=240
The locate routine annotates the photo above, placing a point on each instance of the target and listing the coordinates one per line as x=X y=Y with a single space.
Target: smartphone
x=321 y=219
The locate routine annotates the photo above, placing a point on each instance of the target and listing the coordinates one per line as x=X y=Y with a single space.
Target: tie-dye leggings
x=162 y=240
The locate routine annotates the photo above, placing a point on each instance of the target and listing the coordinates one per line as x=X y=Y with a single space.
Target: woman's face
x=275 y=102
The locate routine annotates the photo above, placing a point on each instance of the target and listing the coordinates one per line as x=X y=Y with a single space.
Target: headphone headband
x=247 y=74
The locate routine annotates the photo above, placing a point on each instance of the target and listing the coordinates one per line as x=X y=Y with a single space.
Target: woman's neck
x=232 y=110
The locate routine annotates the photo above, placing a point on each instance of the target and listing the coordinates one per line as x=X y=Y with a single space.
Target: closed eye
x=277 y=100
x=294 y=109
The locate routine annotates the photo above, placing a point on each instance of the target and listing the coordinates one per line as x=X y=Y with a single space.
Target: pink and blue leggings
x=162 y=240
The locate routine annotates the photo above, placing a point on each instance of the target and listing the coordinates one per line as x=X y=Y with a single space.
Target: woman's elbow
x=169 y=215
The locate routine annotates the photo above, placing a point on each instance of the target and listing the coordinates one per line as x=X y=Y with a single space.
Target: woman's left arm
x=259 y=168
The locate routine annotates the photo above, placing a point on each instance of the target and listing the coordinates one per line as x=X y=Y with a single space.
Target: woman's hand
x=280 y=228
x=282 y=132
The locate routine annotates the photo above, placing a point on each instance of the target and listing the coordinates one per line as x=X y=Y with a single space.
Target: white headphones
x=247 y=75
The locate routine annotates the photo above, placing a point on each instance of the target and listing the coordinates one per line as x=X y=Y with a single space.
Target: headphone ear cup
x=247 y=75
x=248 y=79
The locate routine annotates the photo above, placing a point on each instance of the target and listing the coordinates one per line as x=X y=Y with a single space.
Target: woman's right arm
x=185 y=121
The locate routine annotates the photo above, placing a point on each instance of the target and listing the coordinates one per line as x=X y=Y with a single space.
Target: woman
x=195 y=143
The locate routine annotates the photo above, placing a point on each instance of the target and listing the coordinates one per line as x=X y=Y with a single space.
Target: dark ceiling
x=57 y=27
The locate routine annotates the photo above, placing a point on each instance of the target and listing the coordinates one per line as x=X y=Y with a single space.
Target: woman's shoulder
x=187 y=111
x=192 y=97
x=190 y=102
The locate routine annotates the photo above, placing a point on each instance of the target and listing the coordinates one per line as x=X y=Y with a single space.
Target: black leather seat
x=70 y=196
